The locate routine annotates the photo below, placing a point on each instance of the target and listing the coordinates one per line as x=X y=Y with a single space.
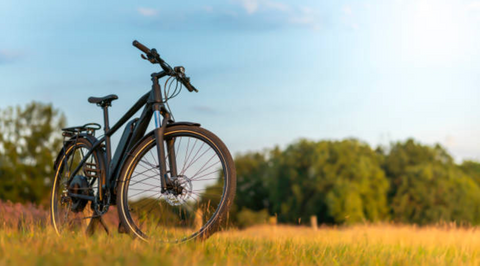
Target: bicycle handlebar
x=154 y=58
x=141 y=47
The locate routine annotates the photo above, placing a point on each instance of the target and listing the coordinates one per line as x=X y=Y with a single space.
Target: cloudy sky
x=269 y=71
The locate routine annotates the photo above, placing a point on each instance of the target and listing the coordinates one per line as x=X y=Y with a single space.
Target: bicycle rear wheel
x=72 y=215
x=201 y=192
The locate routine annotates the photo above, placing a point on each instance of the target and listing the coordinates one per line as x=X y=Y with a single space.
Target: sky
x=269 y=72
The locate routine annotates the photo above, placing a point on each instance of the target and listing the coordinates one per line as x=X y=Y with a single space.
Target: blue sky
x=269 y=71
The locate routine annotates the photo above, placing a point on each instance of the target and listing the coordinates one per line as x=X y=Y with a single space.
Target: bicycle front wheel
x=201 y=192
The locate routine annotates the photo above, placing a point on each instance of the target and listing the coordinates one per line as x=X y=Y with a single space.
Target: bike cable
x=169 y=94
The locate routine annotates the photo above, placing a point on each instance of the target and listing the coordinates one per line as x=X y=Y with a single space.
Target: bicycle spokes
x=70 y=213
x=190 y=200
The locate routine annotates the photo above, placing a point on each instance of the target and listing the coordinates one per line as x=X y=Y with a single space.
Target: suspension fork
x=159 y=111
x=159 y=137
x=172 y=157
x=159 y=133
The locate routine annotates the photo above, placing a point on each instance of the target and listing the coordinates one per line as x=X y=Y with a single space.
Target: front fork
x=160 y=126
x=159 y=111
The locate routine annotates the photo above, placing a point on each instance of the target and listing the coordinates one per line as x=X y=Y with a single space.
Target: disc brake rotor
x=181 y=192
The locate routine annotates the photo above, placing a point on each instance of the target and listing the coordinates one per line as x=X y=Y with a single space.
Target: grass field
x=263 y=245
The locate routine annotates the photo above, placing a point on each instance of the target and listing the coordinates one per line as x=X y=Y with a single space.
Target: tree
x=29 y=140
x=428 y=187
x=408 y=154
x=472 y=169
x=345 y=182
x=433 y=192
x=339 y=182
x=252 y=181
x=251 y=200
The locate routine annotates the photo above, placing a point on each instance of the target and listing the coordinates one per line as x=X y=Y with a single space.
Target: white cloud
x=276 y=6
x=347 y=10
x=251 y=6
x=305 y=16
x=147 y=12
x=307 y=10
x=348 y=17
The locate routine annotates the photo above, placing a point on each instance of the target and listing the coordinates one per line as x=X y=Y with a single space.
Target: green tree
x=430 y=193
x=252 y=181
x=29 y=139
x=345 y=182
x=251 y=200
x=428 y=187
x=472 y=169
x=403 y=155
x=340 y=182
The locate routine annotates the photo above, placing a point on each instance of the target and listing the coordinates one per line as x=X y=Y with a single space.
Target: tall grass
x=263 y=245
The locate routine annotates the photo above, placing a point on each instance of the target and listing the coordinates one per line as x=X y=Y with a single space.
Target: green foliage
x=471 y=169
x=427 y=186
x=403 y=156
x=339 y=182
x=430 y=193
x=252 y=177
x=346 y=182
x=29 y=140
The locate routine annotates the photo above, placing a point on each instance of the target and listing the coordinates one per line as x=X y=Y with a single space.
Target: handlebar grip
x=141 y=47
x=188 y=85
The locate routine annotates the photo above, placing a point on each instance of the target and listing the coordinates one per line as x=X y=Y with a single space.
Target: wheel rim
x=71 y=215
x=182 y=213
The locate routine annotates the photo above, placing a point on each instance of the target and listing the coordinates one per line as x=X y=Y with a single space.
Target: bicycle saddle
x=103 y=101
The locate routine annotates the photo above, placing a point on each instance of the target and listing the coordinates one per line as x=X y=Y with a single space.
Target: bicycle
x=172 y=184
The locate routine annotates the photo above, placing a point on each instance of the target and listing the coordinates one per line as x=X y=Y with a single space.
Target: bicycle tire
x=65 y=154
x=139 y=152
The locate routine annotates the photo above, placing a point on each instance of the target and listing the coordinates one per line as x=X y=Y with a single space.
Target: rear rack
x=89 y=128
x=72 y=134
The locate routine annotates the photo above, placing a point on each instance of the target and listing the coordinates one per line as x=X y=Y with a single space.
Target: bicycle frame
x=154 y=106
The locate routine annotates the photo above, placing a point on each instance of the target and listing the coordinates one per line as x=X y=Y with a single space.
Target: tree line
x=347 y=182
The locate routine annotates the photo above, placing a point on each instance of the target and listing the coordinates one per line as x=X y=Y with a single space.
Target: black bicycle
x=172 y=184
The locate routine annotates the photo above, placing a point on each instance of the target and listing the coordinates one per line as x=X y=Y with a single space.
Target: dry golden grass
x=264 y=245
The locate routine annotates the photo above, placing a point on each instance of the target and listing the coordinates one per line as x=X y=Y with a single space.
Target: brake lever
x=149 y=58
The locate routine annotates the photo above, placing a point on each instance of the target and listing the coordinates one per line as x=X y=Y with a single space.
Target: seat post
x=107 y=137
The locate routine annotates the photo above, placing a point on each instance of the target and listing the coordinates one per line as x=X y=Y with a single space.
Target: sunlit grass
x=281 y=245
